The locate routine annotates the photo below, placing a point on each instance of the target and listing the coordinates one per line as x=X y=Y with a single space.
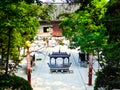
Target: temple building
x=52 y=28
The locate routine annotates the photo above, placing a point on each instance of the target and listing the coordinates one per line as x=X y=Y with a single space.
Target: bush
x=14 y=83
x=108 y=78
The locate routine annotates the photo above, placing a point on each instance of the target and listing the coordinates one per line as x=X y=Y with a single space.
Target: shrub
x=14 y=83
x=108 y=78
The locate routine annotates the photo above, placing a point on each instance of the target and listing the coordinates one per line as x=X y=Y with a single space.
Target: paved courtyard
x=42 y=79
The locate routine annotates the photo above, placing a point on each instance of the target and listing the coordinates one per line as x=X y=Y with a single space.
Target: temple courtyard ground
x=43 y=79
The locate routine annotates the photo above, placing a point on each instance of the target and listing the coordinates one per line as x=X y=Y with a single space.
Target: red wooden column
x=28 y=66
x=90 y=69
x=28 y=69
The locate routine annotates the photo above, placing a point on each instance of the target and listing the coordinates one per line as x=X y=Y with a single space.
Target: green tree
x=95 y=28
x=110 y=74
x=112 y=20
x=19 y=21
x=84 y=27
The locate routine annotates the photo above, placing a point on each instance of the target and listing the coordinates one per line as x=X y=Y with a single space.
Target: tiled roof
x=62 y=8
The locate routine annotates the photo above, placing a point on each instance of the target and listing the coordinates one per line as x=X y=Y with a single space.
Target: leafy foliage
x=85 y=28
x=108 y=78
x=13 y=83
x=111 y=52
x=19 y=19
x=95 y=28
x=113 y=29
